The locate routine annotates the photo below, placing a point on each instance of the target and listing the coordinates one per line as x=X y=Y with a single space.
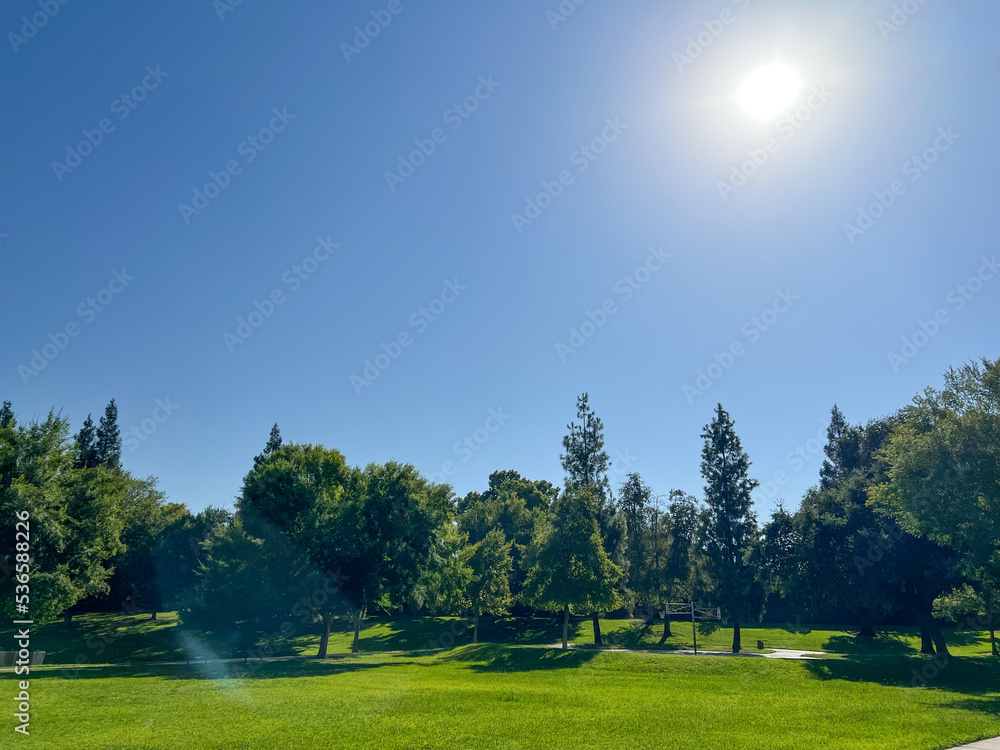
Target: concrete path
x=993 y=744
x=777 y=653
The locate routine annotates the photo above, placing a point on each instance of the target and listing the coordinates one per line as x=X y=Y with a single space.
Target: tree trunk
x=357 y=632
x=666 y=623
x=597 y=629
x=475 y=628
x=867 y=631
x=152 y=615
x=324 y=641
x=565 y=642
x=993 y=642
x=736 y=638
x=926 y=642
x=68 y=619
x=939 y=642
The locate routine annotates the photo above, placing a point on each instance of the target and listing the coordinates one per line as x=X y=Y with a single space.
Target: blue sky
x=481 y=299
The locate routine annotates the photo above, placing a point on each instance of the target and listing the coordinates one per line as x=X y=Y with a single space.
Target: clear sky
x=620 y=110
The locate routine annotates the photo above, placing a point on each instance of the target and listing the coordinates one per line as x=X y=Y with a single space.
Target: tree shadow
x=217 y=670
x=490 y=658
x=886 y=644
x=971 y=676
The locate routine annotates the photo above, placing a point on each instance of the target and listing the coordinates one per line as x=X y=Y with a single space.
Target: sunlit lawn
x=491 y=696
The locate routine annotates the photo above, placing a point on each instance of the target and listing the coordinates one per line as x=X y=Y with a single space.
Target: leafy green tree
x=572 y=570
x=109 y=438
x=86 y=446
x=291 y=499
x=942 y=470
x=731 y=528
x=75 y=519
x=515 y=505
x=489 y=588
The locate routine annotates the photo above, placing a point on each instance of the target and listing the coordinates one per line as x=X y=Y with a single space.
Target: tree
x=965 y=605
x=86 y=446
x=585 y=461
x=586 y=464
x=645 y=574
x=731 y=527
x=272 y=446
x=291 y=498
x=75 y=520
x=517 y=506
x=942 y=470
x=6 y=415
x=842 y=450
x=572 y=570
x=109 y=438
x=489 y=589
x=679 y=525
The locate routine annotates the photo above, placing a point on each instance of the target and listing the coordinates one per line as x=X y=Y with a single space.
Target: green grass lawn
x=491 y=696
x=509 y=692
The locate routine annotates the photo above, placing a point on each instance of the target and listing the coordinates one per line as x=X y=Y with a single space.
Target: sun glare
x=769 y=91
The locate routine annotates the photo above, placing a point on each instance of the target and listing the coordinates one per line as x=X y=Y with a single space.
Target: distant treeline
x=903 y=525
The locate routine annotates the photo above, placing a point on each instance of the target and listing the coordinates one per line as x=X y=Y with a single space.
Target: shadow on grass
x=887 y=644
x=487 y=657
x=966 y=675
x=249 y=670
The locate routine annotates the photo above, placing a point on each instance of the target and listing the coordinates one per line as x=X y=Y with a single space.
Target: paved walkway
x=776 y=653
x=993 y=744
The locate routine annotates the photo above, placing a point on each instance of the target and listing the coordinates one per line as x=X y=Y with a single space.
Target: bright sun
x=769 y=91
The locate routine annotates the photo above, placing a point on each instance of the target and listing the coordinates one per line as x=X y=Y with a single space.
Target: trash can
x=760 y=644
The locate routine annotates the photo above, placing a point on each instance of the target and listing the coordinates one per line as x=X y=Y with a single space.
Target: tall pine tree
x=730 y=529
x=586 y=464
x=109 y=438
x=86 y=446
x=6 y=415
x=273 y=444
